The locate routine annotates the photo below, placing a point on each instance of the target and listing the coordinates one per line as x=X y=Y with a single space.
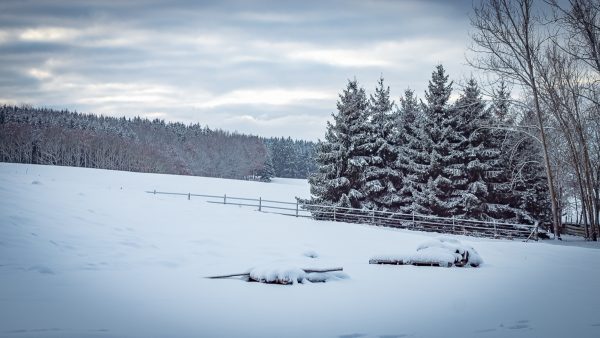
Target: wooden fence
x=378 y=218
x=573 y=229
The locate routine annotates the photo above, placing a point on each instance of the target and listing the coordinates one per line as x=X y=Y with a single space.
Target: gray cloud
x=265 y=67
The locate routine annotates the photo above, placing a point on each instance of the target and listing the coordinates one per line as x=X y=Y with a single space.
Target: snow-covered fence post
x=260 y=204
x=495 y=230
x=373 y=216
x=224 y=198
x=334 y=213
x=452 y=223
x=296 y=208
x=414 y=224
x=535 y=233
x=189 y=196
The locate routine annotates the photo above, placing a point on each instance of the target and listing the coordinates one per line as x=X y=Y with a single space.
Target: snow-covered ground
x=87 y=253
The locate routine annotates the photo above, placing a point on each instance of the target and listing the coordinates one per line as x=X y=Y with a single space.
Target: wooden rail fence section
x=571 y=229
x=374 y=217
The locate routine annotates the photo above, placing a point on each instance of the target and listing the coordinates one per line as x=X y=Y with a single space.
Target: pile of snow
x=447 y=246
x=282 y=273
x=441 y=251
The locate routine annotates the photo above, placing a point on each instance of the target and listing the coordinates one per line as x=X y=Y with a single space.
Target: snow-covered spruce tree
x=528 y=180
x=267 y=172
x=519 y=192
x=380 y=178
x=289 y=158
x=412 y=158
x=438 y=194
x=341 y=157
x=501 y=198
x=284 y=161
x=480 y=154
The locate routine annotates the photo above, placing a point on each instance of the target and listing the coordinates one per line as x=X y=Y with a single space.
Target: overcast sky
x=272 y=68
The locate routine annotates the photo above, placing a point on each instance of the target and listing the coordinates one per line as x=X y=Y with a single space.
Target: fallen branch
x=401 y=262
x=247 y=274
x=387 y=261
x=322 y=270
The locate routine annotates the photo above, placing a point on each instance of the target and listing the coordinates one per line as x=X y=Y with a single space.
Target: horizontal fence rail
x=574 y=229
x=374 y=217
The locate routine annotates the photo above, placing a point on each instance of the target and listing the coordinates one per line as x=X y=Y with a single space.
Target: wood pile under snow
x=288 y=274
x=442 y=251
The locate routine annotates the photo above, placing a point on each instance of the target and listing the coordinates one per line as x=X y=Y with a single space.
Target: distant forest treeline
x=53 y=137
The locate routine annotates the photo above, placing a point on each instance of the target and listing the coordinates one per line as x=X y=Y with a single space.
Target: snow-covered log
x=442 y=251
x=288 y=275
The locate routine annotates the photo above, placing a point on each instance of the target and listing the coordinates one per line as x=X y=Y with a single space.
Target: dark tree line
x=46 y=136
x=291 y=158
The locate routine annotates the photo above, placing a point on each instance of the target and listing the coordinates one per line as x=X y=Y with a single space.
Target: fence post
x=453 y=224
x=334 y=213
x=189 y=196
x=373 y=216
x=414 y=224
x=260 y=204
x=224 y=198
x=495 y=230
x=296 y=208
x=535 y=234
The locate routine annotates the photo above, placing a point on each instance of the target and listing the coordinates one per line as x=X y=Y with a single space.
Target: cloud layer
x=272 y=68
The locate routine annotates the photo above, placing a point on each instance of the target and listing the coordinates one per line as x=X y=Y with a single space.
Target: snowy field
x=87 y=253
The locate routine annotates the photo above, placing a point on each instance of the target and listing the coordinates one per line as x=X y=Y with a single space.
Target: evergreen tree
x=289 y=158
x=380 y=179
x=437 y=191
x=267 y=172
x=480 y=156
x=501 y=195
x=529 y=184
x=411 y=157
x=500 y=108
x=519 y=191
x=341 y=157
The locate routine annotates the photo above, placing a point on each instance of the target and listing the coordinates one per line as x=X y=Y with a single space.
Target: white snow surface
x=87 y=253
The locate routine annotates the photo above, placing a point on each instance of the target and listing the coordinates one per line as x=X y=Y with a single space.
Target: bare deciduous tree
x=508 y=42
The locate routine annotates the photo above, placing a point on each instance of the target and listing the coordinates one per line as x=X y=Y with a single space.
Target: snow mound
x=463 y=252
x=441 y=251
x=289 y=274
